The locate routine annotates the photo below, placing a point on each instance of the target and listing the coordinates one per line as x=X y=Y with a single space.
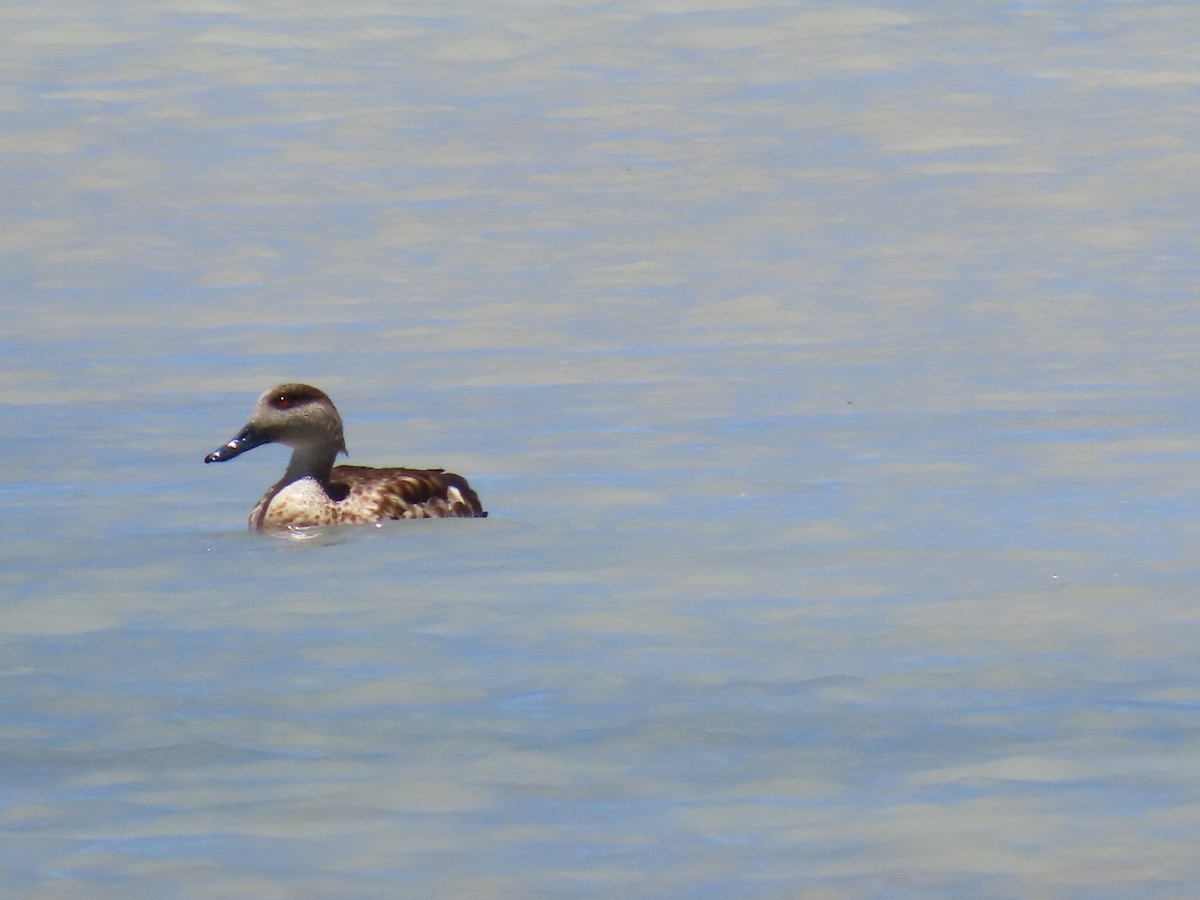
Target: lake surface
x=829 y=372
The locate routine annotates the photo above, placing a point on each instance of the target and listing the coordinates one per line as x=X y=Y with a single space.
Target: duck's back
x=405 y=493
x=359 y=495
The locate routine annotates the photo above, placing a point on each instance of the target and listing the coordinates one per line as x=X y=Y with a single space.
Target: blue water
x=829 y=375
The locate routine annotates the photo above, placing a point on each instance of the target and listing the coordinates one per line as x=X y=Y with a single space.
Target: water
x=828 y=372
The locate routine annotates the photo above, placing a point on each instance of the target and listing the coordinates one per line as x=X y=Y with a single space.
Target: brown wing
x=403 y=493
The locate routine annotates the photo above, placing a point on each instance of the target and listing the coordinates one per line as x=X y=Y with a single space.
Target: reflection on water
x=828 y=373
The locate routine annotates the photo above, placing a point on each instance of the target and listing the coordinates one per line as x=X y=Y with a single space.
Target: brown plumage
x=314 y=492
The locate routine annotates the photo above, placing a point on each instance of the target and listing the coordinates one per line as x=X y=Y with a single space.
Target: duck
x=314 y=493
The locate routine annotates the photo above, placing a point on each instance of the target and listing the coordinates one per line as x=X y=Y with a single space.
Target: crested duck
x=313 y=492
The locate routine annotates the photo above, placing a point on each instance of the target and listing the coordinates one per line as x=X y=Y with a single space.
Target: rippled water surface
x=829 y=372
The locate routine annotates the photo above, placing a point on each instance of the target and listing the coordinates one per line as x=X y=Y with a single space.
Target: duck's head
x=299 y=416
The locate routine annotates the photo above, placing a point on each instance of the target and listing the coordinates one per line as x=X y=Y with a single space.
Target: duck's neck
x=310 y=462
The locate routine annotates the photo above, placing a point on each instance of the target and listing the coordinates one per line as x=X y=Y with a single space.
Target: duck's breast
x=301 y=504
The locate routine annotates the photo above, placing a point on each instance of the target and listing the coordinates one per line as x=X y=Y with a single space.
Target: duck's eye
x=283 y=401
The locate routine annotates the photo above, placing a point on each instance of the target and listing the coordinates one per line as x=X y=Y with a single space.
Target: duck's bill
x=246 y=439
